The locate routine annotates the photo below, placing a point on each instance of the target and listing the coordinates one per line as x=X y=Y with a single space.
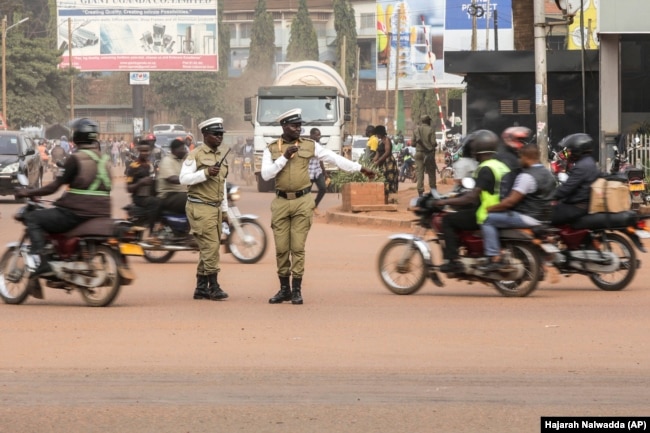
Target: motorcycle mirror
x=22 y=179
x=562 y=177
x=468 y=183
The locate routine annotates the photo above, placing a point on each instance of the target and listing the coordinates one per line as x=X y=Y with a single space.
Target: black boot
x=296 y=296
x=214 y=290
x=201 y=290
x=284 y=294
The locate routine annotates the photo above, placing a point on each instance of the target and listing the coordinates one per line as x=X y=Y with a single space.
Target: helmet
x=149 y=139
x=516 y=136
x=483 y=141
x=577 y=145
x=85 y=131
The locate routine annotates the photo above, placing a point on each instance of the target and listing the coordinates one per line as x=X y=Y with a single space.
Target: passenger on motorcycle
x=140 y=181
x=514 y=139
x=573 y=195
x=466 y=164
x=407 y=155
x=88 y=175
x=527 y=205
x=473 y=205
x=171 y=193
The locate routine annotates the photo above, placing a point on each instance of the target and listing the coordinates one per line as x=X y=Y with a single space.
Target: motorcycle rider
x=514 y=139
x=527 y=205
x=407 y=156
x=172 y=195
x=140 y=181
x=472 y=206
x=573 y=195
x=88 y=174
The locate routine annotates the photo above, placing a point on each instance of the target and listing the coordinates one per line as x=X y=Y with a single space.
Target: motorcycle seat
x=104 y=226
x=603 y=220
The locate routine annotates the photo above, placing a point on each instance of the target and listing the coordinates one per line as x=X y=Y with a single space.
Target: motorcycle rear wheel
x=106 y=263
x=526 y=285
x=402 y=268
x=622 y=247
x=158 y=256
x=14 y=277
x=252 y=247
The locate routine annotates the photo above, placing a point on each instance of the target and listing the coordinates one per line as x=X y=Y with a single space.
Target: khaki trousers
x=290 y=222
x=205 y=221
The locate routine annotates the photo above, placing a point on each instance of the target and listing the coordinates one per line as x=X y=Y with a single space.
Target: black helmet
x=86 y=131
x=483 y=141
x=577 y=145
x=148 y=139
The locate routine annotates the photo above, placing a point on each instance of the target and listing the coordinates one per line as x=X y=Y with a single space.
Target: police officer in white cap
x=204 y=171
x=287 y=160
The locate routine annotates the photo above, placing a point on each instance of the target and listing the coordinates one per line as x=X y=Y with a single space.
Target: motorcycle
x=406 y=164
x=406 y=261
x=91 y=258
x=245 y=238
x=599 y=245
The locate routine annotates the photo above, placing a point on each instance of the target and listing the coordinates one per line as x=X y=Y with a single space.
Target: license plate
x=637 y=187
x=131 y=250
x=550 y=248
x=642 y=234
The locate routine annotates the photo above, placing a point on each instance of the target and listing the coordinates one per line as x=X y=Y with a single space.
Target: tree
x=522 y=21
x=425 y=102
x=303 y=42
x=261 y=56
x=346 y=29
x=37 y=92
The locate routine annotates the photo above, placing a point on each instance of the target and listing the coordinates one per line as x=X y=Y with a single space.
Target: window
x=245 y=30
x=515 y=106
x=321 y=30
x=557 y=106
x=523 y=106
x=368 y=21
x=507 y=106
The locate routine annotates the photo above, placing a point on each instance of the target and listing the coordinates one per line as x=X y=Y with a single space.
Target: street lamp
x=4 y=68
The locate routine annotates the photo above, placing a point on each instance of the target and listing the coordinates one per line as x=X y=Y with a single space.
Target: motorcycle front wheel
x=249 y=244
x=105 y=263
x=158 y=256
x=14 y=277
x=619 y=279
x=402 y=268
x=527 y=284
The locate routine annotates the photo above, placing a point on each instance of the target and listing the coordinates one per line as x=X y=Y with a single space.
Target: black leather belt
x=197 y=200
x=292 y=195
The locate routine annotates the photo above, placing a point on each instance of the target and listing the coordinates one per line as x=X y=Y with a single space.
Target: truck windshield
x=315 y=110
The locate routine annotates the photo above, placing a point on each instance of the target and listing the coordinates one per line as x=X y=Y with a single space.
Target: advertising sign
x=589 y=35
x=422 y=30
x=136 y=35
x=139 y=78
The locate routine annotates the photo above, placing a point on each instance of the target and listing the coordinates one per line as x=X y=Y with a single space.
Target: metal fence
x=638 y=151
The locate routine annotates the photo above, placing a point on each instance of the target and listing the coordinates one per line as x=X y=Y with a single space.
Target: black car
x=18 y=154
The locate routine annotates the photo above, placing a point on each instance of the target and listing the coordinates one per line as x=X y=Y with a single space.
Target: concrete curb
x=369 y=220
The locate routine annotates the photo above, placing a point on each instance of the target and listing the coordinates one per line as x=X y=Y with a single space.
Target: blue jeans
x=501 y=220
x=322 y=187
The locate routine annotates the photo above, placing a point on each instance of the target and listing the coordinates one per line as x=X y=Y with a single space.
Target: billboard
x=412 y=36
x=590 y=31
x=138 y=35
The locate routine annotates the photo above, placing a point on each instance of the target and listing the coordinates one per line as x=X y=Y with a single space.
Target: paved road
x=354 y=358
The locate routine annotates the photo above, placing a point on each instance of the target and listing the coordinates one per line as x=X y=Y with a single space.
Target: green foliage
x=194 y=95
x=345 y=25
x=424 y=102
x=224 y=42
x=37 y=91
x=340 y=177
x=455 y=93
x=303 y=42
x=262 y=47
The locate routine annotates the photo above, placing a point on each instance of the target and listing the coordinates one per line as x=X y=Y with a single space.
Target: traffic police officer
x=204 y=171
x=287 y=160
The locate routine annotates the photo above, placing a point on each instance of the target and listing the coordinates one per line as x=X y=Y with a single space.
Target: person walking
x=317 y=172
x=204 y=171
x=287 y=160
x=386 y=163
x=425 y=159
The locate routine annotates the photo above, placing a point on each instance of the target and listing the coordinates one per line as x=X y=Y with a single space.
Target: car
x=19 y=154
x=358 y=144
x=167 y=127
x=164 y=139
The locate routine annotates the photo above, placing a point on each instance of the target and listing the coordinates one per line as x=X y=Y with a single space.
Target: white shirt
x=271 y=168
x=189 y=176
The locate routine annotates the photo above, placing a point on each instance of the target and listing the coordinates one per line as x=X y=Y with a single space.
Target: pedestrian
x=371 y=145
x=287 y=160
x=204 y=171
x=386 y=163
x=317 y=173
x=425 y=159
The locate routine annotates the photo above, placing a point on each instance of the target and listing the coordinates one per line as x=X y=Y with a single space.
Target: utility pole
x=399 y=37
x=70 y=67
x=541 y=97
x=474 y=26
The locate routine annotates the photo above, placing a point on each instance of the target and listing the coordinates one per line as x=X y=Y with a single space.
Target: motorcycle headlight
x=11 y=168
x=247 y=160
x=234 y=193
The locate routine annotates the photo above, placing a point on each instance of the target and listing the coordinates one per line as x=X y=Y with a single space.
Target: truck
x=312 y=86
